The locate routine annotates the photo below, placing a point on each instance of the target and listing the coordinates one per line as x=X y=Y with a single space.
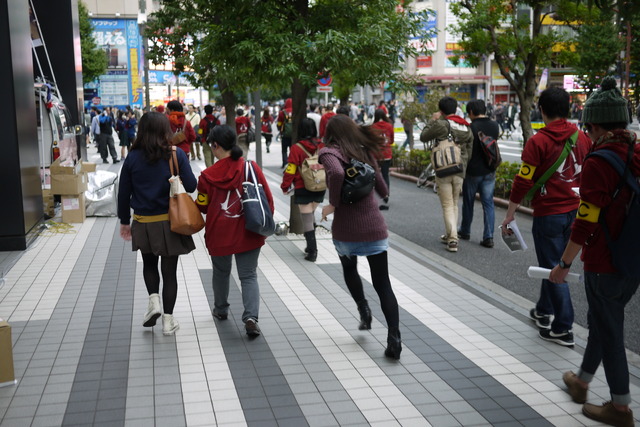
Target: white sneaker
x=169 y=324
x=153 y=311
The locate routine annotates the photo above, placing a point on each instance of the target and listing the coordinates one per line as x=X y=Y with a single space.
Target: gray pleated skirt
x=158 y=239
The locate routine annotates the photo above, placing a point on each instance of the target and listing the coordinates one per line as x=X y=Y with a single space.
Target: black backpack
x=625 y=255
x=105 y=125
x=490 y=150
x=207 y=132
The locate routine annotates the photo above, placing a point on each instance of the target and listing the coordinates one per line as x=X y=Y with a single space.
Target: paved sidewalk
x=75 y=301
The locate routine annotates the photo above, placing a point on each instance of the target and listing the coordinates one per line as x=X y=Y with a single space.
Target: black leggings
x=169 y=267
x=381 y=283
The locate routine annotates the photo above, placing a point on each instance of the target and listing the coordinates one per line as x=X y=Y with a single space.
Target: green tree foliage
x=275 y=43
x=511 y=31
x=598 y=48
x=94 y=60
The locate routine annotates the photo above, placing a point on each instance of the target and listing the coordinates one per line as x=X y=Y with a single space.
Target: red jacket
x=243 y=124
x=266 y=124
x=219 y=189
x=203 y=127
x=281 y=117
x=177 y=120
x=540 y=153
x=386 y=129
x=598 y=183
x=296 y=157
x=323 y=122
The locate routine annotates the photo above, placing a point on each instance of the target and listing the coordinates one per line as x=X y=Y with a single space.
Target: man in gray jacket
x=441 y=124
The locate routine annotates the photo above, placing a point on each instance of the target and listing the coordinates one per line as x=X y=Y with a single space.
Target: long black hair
x=356 y=142
x=154 y=134
x=225 y=137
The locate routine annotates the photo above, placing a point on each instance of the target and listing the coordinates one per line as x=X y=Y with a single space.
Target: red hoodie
x=219 y=190
x=281 y=118
x=540 y=153
x=177 y=120
x=386 y=129
x=598 y=183
x=296 y=157
x=323 y=122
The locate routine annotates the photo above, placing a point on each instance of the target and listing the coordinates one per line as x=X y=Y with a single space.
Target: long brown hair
x=356 y=142
x=154 y=134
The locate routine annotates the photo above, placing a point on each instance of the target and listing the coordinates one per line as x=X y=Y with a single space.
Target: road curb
x=498 y=201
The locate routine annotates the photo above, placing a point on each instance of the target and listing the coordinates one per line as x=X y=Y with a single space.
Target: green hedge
x=415 y=161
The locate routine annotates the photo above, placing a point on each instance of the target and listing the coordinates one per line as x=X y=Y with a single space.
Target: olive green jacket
x=439 y=129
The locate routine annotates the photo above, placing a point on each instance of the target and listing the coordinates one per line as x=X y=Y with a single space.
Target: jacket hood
x=288 y=105
x=618 y=141
x=226 y=174
x=559 y=130
x=310 y=145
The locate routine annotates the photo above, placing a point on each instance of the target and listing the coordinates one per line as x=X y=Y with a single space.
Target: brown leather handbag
x=184 y=216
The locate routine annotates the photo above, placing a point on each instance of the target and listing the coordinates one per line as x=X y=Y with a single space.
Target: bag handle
x=172 y=160
x=568 y=146
x=248 y=169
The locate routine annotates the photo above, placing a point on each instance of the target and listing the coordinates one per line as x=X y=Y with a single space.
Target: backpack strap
x=303 y=149
x=568 y=146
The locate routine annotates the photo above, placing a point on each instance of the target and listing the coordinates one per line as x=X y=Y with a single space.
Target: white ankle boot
x=153 y=311
x=169 y=324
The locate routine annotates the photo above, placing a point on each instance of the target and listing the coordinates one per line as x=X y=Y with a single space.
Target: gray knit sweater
x=360 y=221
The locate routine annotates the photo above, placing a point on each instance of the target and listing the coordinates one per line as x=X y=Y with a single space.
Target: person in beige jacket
x=441 y=124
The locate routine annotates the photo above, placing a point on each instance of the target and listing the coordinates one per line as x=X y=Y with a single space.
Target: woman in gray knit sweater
x=359 y=229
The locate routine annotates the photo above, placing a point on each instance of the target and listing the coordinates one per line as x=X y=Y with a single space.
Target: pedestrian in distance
x=603 y=201
x=144 y=187
x=359 y=228
x=219 y=190
x=329 y=113
x=208 y=122
x=266 y=122
x=292 y=180
x=554 y=206
x=383 y=125
x=479 y=177
x=442 y=124
x=243 y=125
x=123 y=135
x=194 y=118
x=105 y=137
x=407 y=124
x=285 y=128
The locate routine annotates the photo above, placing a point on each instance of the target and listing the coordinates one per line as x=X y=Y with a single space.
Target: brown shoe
x=608 y=414
x=577 y=392
x=251 y=326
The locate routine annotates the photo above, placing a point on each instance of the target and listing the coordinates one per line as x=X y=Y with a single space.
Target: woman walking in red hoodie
x=219 y=189
x=383 y=125
x=307 y=201
x=180 y=125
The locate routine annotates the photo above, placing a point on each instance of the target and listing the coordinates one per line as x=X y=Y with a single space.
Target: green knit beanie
x=606 y=105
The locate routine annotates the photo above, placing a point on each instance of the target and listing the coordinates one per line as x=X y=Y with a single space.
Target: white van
x=56 y=133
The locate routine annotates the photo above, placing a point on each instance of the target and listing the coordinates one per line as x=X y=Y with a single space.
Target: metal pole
x=258 y=126
x=627 y=60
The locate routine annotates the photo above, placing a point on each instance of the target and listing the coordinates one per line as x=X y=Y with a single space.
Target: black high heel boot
x=394 y=344
x=312 y=249
x=365 y=315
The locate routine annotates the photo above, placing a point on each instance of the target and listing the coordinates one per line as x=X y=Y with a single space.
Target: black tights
x=169 y=267
x=381 y=283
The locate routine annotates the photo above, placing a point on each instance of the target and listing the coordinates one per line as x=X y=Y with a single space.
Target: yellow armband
x=526 y=171
x=291 y=169
x=202 y=199
x=588 y=212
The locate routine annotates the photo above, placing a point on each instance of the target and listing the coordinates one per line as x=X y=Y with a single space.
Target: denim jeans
x=485 y=185
x=607 y=295
x=246 y=263
x=449 y=192
x=550 y=236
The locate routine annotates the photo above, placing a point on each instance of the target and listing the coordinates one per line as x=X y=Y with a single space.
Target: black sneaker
x=487 y=243
x=220 y=316
x=564 y=338
x=543 y=321
x=105 y=161
x=463 y=236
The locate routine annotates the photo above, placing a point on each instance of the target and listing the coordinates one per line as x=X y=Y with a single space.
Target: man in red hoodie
x=180 y=124
x=554 y=207
x=608 y=290
x=325 y=119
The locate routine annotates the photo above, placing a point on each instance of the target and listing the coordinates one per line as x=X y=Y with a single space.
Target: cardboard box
x=56 y=169
x=68 y=184
x=48 y=203
x=73 y=209
x=7 y=375
x=87 y=167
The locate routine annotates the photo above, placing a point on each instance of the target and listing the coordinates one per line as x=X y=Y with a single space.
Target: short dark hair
x=477 y=107
x=448 y=105
x=208 y=109
x=307 y=128
x=175 y=106
x=239 y=112
x=343 y=109
x=555 y=102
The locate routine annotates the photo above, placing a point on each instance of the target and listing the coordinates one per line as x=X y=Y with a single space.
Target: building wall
x=124 y=8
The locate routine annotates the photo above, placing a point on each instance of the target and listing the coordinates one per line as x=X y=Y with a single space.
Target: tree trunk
x=299 y=106
x=229 y=101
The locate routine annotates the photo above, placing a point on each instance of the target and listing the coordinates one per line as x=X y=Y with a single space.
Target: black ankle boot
x=365 y=315
x=312 y=249
x=394 y=344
